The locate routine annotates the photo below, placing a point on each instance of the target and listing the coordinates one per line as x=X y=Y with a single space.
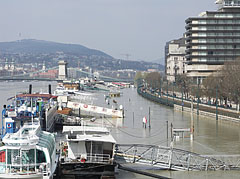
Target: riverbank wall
x=183 y=105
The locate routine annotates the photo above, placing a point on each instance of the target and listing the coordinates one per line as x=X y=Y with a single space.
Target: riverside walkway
x=174 y=159
x=185 y=105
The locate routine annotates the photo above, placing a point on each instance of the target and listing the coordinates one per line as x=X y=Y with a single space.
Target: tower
x=12 y=66
x=62 y=70
x=44 y=66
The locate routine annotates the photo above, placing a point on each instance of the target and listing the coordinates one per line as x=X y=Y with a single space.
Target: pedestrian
x=144 y=122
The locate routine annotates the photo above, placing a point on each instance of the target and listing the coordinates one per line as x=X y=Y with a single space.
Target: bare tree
x=153 y=79
x=231 y=80
x=184 y=83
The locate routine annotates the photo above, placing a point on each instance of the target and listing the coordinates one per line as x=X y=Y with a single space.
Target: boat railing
x=24 y=169
x=98 y=158
x=91 y=158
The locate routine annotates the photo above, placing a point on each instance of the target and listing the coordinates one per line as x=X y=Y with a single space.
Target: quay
x=181 y=104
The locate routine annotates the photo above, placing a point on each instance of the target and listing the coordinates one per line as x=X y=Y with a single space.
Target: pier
x=174 y=159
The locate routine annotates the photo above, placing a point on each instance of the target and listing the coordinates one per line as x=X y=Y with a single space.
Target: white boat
x=89 y=148
x=61 y=90
x=28 y=153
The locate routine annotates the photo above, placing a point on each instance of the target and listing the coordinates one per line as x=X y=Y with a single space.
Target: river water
x=210 y=136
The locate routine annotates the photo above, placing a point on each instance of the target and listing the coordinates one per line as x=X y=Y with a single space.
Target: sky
x=139 y=28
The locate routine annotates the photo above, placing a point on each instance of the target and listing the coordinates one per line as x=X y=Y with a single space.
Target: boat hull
x=35 y=176
x=11 y=176
x=87 y=170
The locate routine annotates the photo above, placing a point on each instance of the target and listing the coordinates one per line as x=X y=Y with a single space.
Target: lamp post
x=198 y=97
x=217 y=102
x=167 y=92
x=173 y=91
x=182 y=98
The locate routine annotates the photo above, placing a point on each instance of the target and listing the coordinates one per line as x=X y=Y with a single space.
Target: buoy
x=9 y=125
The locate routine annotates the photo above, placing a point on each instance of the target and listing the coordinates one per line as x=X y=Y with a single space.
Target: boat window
x=28 y=156
x=97 y=147
x=2 y=156
x=46 y=140
x=2 y=161
x=41 y=157
x=13 y=156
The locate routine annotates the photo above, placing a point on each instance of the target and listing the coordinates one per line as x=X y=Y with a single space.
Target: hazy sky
x=137 y=27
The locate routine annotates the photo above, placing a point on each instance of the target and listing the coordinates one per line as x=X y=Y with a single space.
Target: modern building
x=175 y=58
x=213 y=38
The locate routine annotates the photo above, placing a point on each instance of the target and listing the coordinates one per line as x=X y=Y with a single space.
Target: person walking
x=144 y=122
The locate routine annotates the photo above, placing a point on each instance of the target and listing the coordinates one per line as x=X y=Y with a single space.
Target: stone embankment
x=181 y=104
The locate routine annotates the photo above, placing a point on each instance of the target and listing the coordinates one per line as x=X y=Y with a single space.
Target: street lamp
x=198 y=97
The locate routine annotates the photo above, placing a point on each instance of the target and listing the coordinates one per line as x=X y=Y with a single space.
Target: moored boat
x=28 y=153
x=87 y=151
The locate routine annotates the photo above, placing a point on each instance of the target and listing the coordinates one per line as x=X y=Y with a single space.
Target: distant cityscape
x=16 y=62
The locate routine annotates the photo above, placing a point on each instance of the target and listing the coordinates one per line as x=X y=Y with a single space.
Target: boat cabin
x=88 y=144
x=30 y=151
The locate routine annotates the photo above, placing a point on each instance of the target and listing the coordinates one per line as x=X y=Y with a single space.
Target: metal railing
x=170 y=100
x=174 y=159
x=90 y=158
x=26 y=169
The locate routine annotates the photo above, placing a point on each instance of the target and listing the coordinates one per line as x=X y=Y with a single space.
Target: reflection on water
x=210 y=137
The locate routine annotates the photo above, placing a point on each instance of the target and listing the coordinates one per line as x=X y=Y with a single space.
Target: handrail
x=41 y=168
x=90 y=158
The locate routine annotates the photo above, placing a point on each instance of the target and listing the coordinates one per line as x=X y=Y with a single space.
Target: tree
x=153 y=79
x=231 y=80
x=209 y=86
x=184 y=83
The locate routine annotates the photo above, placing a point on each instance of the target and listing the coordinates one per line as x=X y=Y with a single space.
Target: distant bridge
x=174 y=159
x=29 y=76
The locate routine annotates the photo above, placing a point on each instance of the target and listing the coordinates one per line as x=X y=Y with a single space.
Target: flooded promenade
x=210 y=136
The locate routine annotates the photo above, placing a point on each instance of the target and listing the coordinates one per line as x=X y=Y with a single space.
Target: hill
x=31 y=51
x=32 y=46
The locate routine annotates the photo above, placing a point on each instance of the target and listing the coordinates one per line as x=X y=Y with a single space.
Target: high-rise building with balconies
x=213 y=38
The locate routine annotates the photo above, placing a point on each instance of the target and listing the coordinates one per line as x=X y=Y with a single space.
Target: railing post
x=206 y=168
x=134 y=156
x=189 y=158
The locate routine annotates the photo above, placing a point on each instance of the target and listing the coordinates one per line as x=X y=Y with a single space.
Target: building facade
x=175 y=58
x=213 y=38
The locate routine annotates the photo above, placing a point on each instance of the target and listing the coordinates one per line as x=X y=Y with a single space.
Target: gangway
x=174 y=159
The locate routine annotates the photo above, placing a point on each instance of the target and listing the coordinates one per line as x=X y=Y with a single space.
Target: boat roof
x=30 y=134
x=45 y=96
x=89 y=133
x=85 y=129
x=95 y=137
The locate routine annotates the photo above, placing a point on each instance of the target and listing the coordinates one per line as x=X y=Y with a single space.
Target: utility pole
x=198 y=97
x=182 y=99
x=167 y=92
x=192 y=123
x=173 y=92
x=171 y=132
x=149 y=118
x=217 y=102
x=133 y=119
x=167 y=129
